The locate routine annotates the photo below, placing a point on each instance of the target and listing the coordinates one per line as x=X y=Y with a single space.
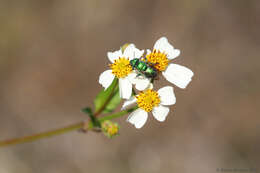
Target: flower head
x=159 y=59
x=109 y=128
x=120 y=68
x=161 y=55
x=150 y=101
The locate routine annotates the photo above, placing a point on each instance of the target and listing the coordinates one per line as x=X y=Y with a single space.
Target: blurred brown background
x=52 y=52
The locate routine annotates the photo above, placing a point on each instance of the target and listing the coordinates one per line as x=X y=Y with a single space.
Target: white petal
x=164 y=46
x=150 y=86
x=141 y=83
x=160 y=43
x=131 y=77
x=132 y=52
x=138 y=118
x=138 y=53
x=160 y=112
x=148 y=51
x=129 y=51
x=128 y=103
x=112 y=56
x=167 y=96
x=106 y=78
x=178 y=75
x=125 y=88
x=173 y=54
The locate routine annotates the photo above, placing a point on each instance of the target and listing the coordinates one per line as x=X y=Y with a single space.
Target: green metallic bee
x=144 y=68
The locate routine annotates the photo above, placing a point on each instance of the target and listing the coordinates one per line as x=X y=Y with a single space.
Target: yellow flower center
x=110 y=128
x=121 y=67
x=112 y=131
x=147 y=100
x=159 y=59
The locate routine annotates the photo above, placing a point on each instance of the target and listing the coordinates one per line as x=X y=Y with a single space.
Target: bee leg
x=139 y=75
x=145 y=59
x=152 y=79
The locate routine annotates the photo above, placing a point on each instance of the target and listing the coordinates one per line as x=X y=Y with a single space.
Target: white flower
x=122 y=69
x=150 y=101
x=141 y=82
x=162 y=53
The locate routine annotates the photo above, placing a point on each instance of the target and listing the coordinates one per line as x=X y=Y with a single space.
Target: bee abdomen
x=141 y=66
x=150 y=72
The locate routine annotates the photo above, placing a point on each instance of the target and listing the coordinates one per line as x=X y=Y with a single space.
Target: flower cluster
x=131 y=76
x=139 y=68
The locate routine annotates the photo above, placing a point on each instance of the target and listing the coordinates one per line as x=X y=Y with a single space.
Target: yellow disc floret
x=121 y=67
x=147 y=100
x=110 y=128
x=159 y=59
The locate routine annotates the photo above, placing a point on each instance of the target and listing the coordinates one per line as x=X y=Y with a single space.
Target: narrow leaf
x=93 y=119
x=114 y=102
x=104 y=97
x=87 y=110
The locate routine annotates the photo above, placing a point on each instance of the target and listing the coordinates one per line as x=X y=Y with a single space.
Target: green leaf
x=114 y=102
x=106 y=101
x=93 y=119
x=87 y=110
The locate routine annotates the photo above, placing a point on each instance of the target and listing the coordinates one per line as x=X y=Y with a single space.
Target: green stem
x=73 y=127
x=63 y=130
x=42 y=135
x=117 y=115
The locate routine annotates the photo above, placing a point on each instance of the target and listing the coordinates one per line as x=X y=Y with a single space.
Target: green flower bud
x=109 y=128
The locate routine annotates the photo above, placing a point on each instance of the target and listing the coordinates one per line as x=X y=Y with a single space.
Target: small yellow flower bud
x=124 y=47
x=109 y=128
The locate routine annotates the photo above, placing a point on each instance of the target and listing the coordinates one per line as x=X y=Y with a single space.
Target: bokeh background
x=52 y=52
